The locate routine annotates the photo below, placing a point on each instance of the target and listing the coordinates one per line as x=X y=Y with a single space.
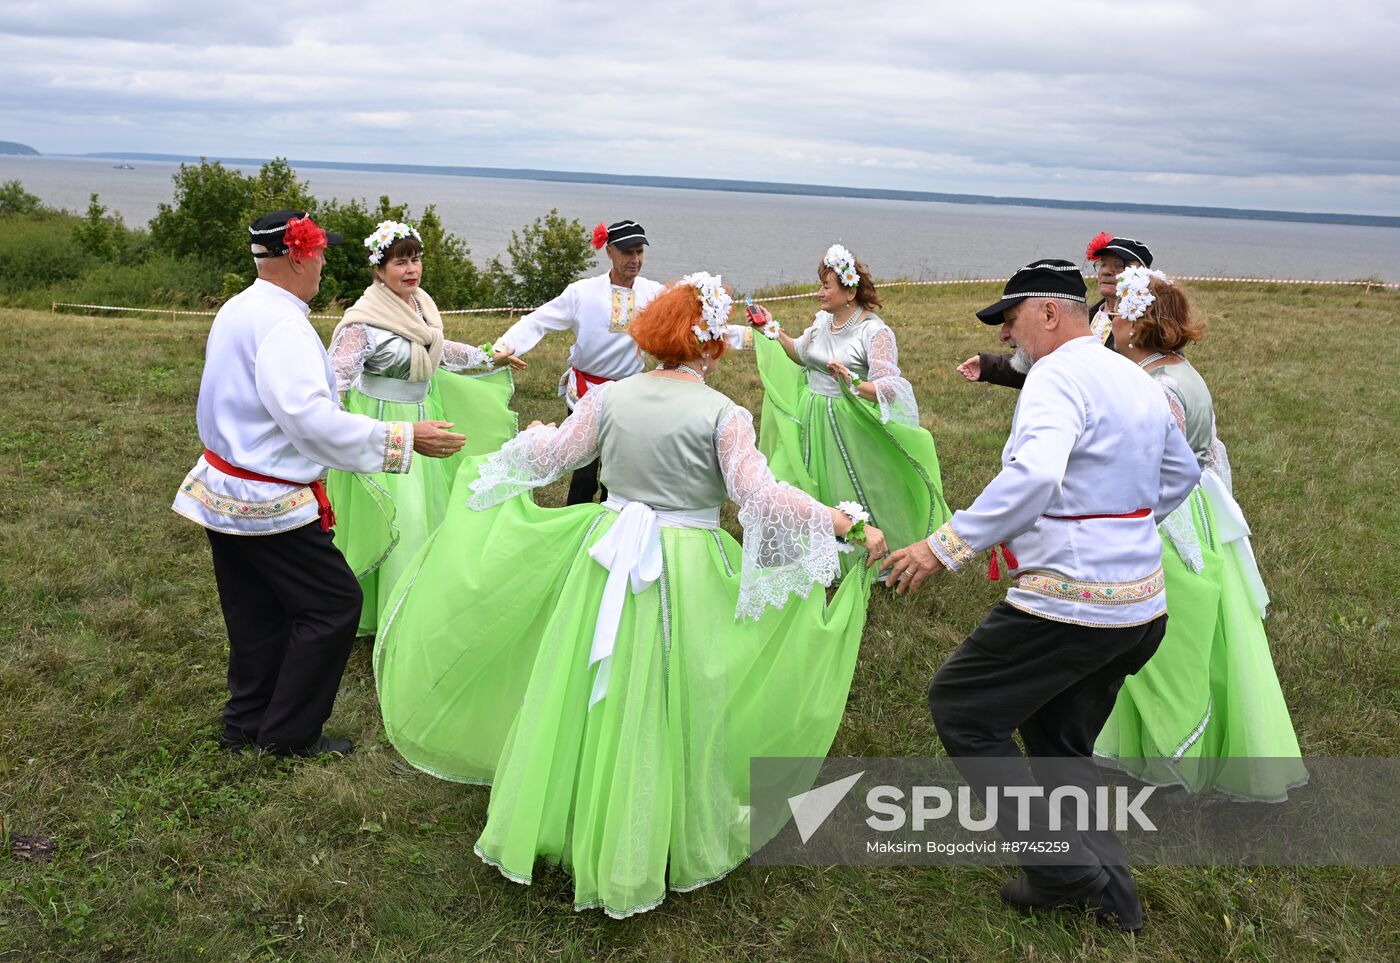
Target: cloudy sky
x=1280 y=104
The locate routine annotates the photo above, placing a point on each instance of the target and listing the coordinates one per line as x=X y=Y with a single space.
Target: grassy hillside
x=112 y=660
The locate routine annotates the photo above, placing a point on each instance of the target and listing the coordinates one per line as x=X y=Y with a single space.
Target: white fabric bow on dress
x=631 y=552
x=1232 y=531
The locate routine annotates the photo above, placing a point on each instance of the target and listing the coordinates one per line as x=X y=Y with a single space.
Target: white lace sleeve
x=1218 y=459
x=789 y=542
x=349 y=351
x=538 y=456
x=457 y=356
x=892 y=390
x=1179 y=527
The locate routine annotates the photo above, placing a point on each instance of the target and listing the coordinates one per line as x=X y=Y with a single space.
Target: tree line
x=194 y=252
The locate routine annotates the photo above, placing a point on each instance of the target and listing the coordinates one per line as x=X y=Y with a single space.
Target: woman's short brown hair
x=1170 y=322
x=866 y=295
x=402 y=247
x=665 y=328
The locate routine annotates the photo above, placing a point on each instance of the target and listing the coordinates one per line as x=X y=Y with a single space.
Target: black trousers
x=1056 y=683
x=291 y=606
x=584 y=485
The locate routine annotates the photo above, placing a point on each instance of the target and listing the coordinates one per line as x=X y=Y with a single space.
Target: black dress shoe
x=1111 y=895
x=1117 y=904
x=1025 y=895
x=323 y=746
x=235 y=743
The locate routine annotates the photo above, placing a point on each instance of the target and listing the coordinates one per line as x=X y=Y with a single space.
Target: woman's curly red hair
x=664 y=328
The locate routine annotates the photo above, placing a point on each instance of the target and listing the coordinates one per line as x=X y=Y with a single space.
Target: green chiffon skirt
x=1206 y=712
x=483 y=677
x=382 y=519
x=836 y=449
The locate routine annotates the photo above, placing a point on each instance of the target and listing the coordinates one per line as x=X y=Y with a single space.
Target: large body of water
x=761 y=239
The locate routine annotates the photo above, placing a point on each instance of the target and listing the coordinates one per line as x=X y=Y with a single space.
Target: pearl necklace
x=1158 y=356
x=835 y=328
x=688 y=370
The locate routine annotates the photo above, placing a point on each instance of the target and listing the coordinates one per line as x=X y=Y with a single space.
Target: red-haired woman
x=391 y=361
x=1206 y=712
x=610 y=670
x=839 y=420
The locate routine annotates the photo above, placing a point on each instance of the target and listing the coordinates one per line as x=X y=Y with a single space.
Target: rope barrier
x=512 y=312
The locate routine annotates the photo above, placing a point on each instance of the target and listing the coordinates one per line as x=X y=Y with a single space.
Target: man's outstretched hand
x=431 y=438
x=910 y=566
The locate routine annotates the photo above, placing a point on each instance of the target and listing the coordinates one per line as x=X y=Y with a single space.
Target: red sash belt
x=323 y=503
x=1140 y=513
x=583 y=381
x=994 y=570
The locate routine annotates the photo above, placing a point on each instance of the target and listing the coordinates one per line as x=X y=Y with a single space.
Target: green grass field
x=112 y=659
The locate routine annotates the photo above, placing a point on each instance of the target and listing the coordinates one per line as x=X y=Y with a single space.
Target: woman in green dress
x=391 y=362
x=839 y=421
x=610 y=670
x=1207 y=711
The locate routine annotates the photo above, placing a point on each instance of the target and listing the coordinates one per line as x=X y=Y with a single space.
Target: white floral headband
x=385 y=235
x=1134 y=294
x=843 y=262
x=715 y=305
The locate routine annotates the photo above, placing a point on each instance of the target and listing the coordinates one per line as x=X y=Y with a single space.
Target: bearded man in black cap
x=1114 y=255
x=597 y=310
x=271 y=425
x=1094 y=461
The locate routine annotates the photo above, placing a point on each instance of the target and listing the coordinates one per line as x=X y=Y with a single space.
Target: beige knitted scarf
x=379 y=307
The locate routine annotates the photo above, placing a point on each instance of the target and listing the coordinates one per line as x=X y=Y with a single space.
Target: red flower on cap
x=303 y=238
x=1097 y=244
x=600 y=236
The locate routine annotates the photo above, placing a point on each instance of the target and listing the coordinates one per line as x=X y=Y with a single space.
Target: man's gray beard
x=1021 y=361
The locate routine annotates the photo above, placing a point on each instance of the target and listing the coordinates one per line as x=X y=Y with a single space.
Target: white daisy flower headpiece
x=715 y=305
x=385 y=235
x=1134 y=291
x=843 y=262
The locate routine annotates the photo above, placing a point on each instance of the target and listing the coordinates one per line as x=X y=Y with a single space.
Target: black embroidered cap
x=1045 y=278
x=270 y=229
x=625 y=235
x=1131 y=251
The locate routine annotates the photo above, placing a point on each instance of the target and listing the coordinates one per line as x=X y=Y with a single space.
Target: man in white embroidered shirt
x=1094 y=461
x=597 y=310
x=271 y=425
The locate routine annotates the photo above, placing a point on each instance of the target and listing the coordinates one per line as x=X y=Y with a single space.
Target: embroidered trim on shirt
x=951 y=550
x=398 y=442
x=237 y=508
x=1094 y=593
x=624 y=306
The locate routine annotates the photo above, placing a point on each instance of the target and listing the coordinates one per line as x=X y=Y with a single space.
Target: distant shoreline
x=773 y=187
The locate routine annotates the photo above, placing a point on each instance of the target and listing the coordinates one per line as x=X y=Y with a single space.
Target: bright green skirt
x=1206 y=712
x=483 y=677
x=836 y=449
x=383 y=519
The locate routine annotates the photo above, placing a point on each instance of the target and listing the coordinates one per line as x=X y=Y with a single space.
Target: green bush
x=14 y=199
x=36 y=253
x=195 y=253
x=545 y=257
x=159 y=281
x=100 y=235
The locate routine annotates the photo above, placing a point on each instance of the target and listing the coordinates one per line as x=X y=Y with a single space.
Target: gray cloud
x=1254 y=104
